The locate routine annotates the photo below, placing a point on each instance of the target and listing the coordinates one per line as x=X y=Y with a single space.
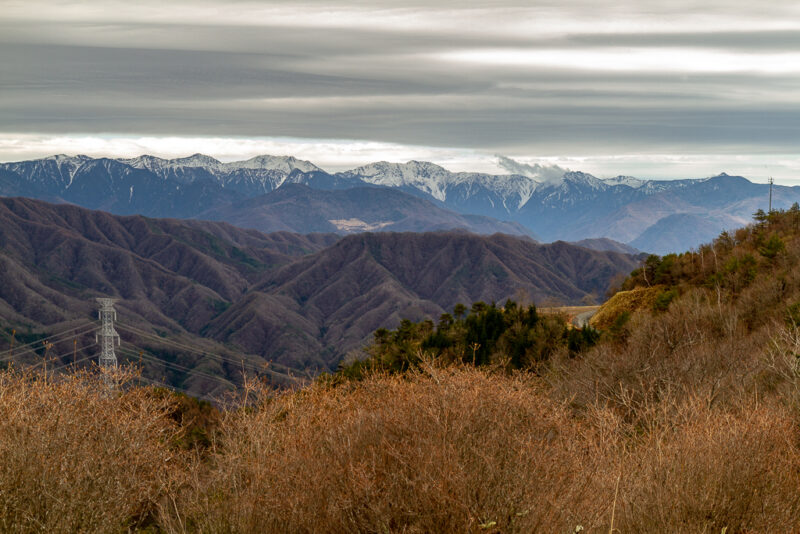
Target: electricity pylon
x=107 y=335
x=771 y=181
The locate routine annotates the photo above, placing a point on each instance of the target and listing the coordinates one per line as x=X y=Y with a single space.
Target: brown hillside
x=368 y=281
x=299 y=301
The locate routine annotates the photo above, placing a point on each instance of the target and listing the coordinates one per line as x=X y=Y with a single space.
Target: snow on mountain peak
x=68 y=165
x=145 y=161
x=61 y=159
x=630 y=181
x=514 y=190
x=156 y=164
x=422 y=175
x=583 y=178
x=278 y=163
x=282 y=164
x=196 y=160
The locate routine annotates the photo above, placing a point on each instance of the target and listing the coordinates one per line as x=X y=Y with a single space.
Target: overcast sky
x=641 y=87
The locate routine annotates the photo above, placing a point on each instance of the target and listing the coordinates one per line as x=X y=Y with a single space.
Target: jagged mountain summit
x=467 y=190
x=642 y=213
x=282 y=164
x=254 y=176
x=244 y=192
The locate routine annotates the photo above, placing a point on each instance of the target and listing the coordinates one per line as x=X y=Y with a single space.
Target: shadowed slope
x=301 y=301
x=368 y=281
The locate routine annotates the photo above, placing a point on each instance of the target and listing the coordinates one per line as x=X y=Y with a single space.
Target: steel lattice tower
x=107 y=335
x=771 y=181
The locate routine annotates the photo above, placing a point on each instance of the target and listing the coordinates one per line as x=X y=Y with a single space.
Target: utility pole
x=107 y=335
x=770 y=194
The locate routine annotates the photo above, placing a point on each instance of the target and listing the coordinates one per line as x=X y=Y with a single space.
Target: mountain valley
x=300 y=302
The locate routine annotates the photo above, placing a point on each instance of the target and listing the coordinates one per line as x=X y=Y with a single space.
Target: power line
x=175 y=344
x=30 y=367
x=177 y=366
x=220 y=357
x=189 y=371
x=107 y=314
x=219 y=380
x=771 y=181
x=66 y=365
x=50 y=337
x=52 y=342
x=176 y=388
x=65 y=333
x=62 y=366
x=108 y=359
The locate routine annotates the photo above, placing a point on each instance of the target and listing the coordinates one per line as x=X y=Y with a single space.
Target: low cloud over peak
x=540 y=173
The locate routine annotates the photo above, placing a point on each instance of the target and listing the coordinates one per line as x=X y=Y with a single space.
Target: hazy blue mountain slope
x=576 y=206
x=676 y=232
x=298 y=208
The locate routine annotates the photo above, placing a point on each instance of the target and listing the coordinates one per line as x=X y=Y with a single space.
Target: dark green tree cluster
x=512 y=336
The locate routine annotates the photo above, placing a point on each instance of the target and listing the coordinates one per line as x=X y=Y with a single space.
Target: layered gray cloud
x=522 y=78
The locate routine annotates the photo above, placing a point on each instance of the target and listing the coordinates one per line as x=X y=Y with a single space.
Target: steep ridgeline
x=649 y=215
x=465 y=192
x=301 y=301
x=656 y=216
x=246 y=193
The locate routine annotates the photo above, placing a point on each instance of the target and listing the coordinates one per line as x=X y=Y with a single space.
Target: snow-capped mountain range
x=162 y=167
x=658 y=216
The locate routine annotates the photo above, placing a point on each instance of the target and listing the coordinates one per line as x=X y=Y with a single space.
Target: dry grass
x=464 y=450
x=690 y=425
x=715 y=471
x=449 y=450
x=75 y=459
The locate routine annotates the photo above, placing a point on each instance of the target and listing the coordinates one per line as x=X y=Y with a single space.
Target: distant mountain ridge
x=295 y=207
x=240 y=192
x=578 y=206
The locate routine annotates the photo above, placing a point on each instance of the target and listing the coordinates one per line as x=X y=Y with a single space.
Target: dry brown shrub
x=74 y=458
x=762 y=301
x=706 y=417
x=679 y=446
x=702 y=443
x=696 y=347
x=690 y=425
x=715 y=472
x=453 y=450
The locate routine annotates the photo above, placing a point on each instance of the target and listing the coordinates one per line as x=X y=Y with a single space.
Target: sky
x=653 y=89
